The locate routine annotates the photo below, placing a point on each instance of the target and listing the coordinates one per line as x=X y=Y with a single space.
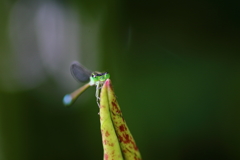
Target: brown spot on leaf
x=107 y=134
x=105 y=141
x=126 y=138
x=120 y=138
x=122 y=128
x=115 y=107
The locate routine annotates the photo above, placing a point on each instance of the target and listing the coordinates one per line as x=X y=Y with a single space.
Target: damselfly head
x=98 y=76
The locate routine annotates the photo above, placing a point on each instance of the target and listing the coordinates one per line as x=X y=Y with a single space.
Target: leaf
x=118 y=142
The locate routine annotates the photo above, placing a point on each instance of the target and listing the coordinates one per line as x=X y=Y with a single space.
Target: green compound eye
x=107 y=76
x=103 y=76
x=94 y=77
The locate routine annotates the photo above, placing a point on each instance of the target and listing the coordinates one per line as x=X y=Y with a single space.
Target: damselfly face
x=98 y=76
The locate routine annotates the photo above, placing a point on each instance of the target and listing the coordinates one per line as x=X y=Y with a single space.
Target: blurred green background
x=174 y=66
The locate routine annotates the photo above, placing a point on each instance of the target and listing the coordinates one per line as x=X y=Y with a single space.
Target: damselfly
x=80 y=73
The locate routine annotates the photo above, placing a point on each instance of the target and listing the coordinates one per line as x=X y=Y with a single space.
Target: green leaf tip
x=118 y=142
